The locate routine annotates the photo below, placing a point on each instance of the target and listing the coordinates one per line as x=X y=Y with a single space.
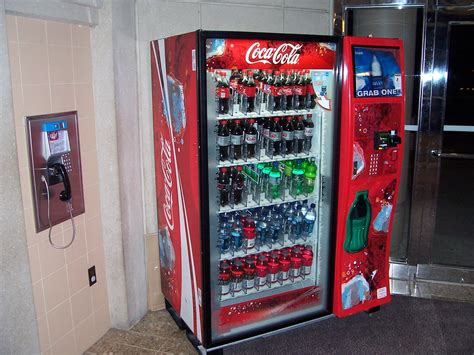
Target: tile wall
x=51 y=72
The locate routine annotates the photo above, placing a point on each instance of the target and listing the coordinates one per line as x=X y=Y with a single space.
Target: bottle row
x=262 y=271
x=269 y=227
x=255 y=184
x=267 y=136
x=260 y=91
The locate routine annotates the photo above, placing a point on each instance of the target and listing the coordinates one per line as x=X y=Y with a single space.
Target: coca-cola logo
x=168 y=181
x=286 y=53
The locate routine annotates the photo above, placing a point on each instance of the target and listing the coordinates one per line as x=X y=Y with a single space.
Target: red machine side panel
x=175 y=118
x=372 y=134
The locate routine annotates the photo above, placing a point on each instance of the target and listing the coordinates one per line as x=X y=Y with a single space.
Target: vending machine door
x=372 y=126
x=271 y=126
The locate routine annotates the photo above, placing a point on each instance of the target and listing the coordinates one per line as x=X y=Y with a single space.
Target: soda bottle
x=276 y=91
x=223 y=140
x=300 y=91
x=274 y=182
x=275 y=137
x=238 y=185
x=309 y=220
x=264 y=181
x=310 y=93
x=262 y=270
x=299 y=135
x=304 y=207
x=284 y=265
x=297 y=176
x=237 y=275
x=222 y=94
x=288 y=91
x=249 y=233
x=251 y=139
x=288 y=136
x=289 y=164
x=223 y=185
x=307 y=260
x=310 y=176
x=249 y=273
x=273 y=268
x=224 y=237
x=308 y=133
x=295 y=262
x=250 y=91
x=225 y=275
x=237 y=139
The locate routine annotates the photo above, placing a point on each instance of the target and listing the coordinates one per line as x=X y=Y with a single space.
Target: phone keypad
x=67 y=162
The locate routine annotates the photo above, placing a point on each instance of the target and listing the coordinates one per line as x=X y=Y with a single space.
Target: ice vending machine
x=246 y=129
x=372 y=126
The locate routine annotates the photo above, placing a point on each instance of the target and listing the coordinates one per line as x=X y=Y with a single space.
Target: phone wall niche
x=65 y=149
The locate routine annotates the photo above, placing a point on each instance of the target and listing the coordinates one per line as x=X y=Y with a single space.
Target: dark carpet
x=405 y=326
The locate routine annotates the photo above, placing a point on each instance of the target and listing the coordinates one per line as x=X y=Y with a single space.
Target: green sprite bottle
x=297 y=177
x=274 y=181
x=289 y=164
x=310 y=176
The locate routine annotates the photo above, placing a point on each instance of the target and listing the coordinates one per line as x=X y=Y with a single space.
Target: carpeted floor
x=406 y=326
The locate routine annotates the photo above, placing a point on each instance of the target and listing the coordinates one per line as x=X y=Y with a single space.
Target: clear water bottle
x=297 y=225
x=310 y=219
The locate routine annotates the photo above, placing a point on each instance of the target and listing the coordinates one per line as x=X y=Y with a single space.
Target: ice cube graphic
x=177 y=107
x=355 y=291
x=167 y=255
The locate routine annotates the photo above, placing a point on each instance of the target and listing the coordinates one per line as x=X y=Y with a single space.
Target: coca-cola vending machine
x=247 y=133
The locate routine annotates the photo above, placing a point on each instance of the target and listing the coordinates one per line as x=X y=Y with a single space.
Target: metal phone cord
x=69 y=209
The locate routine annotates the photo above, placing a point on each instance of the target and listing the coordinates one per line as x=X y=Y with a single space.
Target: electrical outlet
x=92 y=276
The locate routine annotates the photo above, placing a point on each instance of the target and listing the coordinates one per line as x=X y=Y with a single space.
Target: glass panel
x=453 y=242
x=270 y=146
x=407 y=24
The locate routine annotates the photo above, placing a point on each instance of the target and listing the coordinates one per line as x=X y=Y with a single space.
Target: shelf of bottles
x=266 y=180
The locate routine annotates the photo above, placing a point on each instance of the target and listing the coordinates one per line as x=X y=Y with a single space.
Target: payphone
x=55 y=166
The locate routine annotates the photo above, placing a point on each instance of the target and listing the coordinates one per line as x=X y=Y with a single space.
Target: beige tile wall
x=51 y=72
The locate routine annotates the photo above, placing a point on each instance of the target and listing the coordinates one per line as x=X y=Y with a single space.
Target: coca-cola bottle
x=251 y=139
x=295 y=262
x=284 y=265
x=222 y=94
x=237 y=275
x=288 y=91
x=276 y=91
x=249 y=233
x=250 y=91
x=237 y=139
x=299 y=89
x=299 y=135
x=223 y=185
x=225 y=275
x=249 y=273
x=223 y=140
x=275 y=137
x=238 y=183
x=307 y=260
x=265 y=142
x=310 y=93
x=288 y=136
x=308 y=133
x=273 y=268
x=262 y=270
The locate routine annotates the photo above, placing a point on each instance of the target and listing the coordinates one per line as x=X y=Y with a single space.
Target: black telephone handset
x=57 y=174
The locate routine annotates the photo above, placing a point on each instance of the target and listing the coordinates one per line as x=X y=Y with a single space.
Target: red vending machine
x=372 y=126
x=247 y=154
